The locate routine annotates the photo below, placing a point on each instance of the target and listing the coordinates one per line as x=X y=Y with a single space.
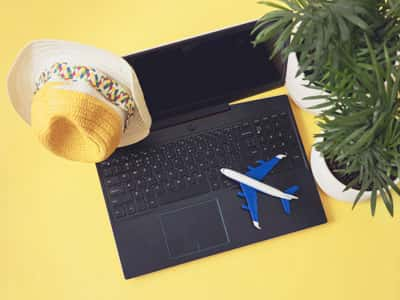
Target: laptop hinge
x=189 y=116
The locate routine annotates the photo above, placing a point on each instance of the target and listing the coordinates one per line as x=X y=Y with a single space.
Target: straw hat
x=82 y=102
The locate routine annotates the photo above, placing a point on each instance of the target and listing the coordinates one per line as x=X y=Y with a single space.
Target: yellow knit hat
x=75 y=125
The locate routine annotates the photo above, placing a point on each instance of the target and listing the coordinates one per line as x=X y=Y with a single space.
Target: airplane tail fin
x=286 y=203
x=277 y=157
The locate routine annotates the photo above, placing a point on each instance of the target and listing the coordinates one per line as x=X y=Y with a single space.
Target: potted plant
x=309 y=34
x=357 y=153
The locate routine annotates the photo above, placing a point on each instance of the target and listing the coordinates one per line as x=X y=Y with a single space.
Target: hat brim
x=39 y=55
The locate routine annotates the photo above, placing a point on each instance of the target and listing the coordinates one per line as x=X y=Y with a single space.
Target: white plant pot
x=297 y=89
x=328 y=182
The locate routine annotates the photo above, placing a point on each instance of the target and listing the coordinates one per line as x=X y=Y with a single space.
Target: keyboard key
x=140 y=183
x=245 y=126
x=120 y=198
x=124 y=177
x=149 y=195
x=215 y=185
x=112 y=180
x=156 y=167
x=129 y=186
x=127 y=166
x=152 y=203
x=135 y=194
x=246 y=134
x=133 y=155
x=107 y=172
x=117 y=170
x=141 y=204
x=179 y=184
x=130 y=208
x=158 y=191
x=105 y=163
x=168 y=186
x=118 y=212
x=227 y=183
x=115 y=190
x=189 y=181
x=191 y=168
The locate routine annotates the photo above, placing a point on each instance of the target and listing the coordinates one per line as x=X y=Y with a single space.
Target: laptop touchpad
x=194 y=228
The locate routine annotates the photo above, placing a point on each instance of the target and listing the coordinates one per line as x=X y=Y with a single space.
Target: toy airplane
x=251 y=183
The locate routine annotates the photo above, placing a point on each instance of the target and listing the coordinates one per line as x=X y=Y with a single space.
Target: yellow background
x=55 y=237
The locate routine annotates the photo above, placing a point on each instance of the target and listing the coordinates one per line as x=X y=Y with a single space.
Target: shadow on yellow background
x=55 y=237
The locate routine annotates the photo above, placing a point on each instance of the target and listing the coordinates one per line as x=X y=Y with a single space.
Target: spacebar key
x=192 y=190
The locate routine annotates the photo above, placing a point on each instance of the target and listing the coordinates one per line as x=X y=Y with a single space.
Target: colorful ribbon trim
x=106 y=86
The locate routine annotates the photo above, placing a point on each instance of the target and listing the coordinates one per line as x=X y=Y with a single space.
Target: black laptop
x=167 y=200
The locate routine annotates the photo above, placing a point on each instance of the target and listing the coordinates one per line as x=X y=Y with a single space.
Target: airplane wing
x=286 y=203
x=250 y=195
x=264 y=167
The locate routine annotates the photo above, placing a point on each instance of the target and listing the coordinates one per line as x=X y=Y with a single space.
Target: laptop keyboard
x=144 y=179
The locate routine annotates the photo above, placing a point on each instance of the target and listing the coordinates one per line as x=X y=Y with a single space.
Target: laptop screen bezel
x=278 y=62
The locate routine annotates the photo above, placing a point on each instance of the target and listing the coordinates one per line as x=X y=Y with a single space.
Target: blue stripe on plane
x=286 y=203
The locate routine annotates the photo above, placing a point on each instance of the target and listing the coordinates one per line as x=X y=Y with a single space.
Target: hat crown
x=73 y=124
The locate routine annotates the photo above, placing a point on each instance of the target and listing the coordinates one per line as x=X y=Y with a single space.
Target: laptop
x=167 y=201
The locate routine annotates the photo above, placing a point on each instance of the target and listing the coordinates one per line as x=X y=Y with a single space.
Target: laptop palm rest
x=193 y=229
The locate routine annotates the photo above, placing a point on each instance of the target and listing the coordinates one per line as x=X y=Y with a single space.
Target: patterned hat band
x=107 y=87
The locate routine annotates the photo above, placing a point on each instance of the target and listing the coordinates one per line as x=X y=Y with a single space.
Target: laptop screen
x=214 y=68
